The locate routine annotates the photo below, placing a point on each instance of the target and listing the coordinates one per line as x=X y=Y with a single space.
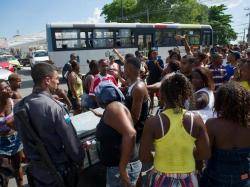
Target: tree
x=112 y=11
x=220 y=22
x=178 y=11
x=156 y=11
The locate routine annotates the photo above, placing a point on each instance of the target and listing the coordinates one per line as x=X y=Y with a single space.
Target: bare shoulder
x=140 y=89
x=115 y=109
x=198 y=124
x=212 y=123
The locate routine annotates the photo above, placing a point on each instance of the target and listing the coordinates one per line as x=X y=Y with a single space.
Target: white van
x=39 y=56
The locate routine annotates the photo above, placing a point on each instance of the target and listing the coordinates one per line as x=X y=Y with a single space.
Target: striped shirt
x=98 y=79
x=219 y=75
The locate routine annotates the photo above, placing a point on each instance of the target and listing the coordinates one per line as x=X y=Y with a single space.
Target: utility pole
x=147 y=14
x=244 y=34
x=248 y=35
x=122 y=11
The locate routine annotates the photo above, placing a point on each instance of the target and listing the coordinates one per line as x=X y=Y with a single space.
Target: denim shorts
x=113 y=175
x=220 y=180
x=10 y=144
x=227 y=168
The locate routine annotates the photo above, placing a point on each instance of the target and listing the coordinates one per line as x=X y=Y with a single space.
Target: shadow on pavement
x=25 y=72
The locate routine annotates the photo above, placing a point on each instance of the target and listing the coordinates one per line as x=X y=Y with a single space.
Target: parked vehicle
x=4 y=73
x=5 y=64
x=39 y=56
x=24 y=61
x=13 y=61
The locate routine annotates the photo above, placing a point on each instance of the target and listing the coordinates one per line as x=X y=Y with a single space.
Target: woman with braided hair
x=178 y=138
x=229 y=136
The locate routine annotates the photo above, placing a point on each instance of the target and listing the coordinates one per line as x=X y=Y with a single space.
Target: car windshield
x=10 y=58
x=40 y=54
x=3 y=59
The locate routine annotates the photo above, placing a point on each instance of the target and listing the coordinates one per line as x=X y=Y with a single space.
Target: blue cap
x=107 y=92
x=235 y=53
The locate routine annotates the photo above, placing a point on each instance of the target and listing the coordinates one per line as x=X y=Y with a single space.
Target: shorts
x=222 y=180
x=158 y=179
x=113 y=175
x=10 y=144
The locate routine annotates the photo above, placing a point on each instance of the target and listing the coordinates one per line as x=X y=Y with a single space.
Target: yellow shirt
x=78 y=86
x=174 y=151
x=245 y=85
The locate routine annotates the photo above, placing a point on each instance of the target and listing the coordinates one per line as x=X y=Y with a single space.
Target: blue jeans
x=227 y=168
x=113 y=175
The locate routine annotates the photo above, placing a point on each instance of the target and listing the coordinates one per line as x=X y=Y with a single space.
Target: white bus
x=96 y=41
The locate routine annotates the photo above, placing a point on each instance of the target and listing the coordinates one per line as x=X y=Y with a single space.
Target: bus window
x=103 y=38
x=194 y=36
x=207 y=38
x=66 y=39
x=124 y=38
x=148 y=41
x=165 y=38
x=86 y=38
x=140 y=42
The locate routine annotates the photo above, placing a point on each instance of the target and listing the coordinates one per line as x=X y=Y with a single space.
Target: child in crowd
x=15 y=83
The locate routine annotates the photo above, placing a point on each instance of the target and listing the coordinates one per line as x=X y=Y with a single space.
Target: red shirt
x=98 y=79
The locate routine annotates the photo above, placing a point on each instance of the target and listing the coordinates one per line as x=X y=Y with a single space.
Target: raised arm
x=122 y=59
x=187 y=46
x=185 y=41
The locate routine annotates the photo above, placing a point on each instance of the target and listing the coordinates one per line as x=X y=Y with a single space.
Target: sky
x=30 y=16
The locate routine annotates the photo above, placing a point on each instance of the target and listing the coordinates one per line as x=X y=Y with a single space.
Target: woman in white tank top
x=204 y=97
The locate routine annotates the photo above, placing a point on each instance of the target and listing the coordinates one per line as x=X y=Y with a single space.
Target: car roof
x=40 y=50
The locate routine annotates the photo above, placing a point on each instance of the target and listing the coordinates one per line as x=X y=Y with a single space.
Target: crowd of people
x=199 y=135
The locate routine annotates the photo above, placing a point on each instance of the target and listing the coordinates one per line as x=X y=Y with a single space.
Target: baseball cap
x=235 y=53
x=107 y=92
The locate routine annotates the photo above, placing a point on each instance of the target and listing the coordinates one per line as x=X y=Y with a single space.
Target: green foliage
x=181 y=11
x=220 y=22
x=178 y=11
x=112 y=11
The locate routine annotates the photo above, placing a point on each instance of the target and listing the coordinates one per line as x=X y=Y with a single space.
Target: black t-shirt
x=154 y=71
x=110 y=142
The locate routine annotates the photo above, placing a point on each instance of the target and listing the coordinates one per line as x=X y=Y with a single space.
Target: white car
x=4 y=74
x=39 y=56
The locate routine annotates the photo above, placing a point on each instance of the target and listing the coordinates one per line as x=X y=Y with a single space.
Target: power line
x=240 y=24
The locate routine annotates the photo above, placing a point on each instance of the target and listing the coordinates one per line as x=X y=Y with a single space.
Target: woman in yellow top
x=178 y=137
x=76 y=87
x=245 y=74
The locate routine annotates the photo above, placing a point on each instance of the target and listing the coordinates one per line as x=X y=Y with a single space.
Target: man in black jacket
x=53 y=126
